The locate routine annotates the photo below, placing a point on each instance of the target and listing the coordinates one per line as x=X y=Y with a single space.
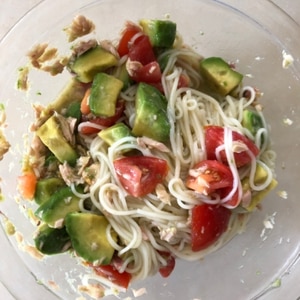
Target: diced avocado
x=163 y=61
x=259 y=196
x=88 y=236
x=219 y=75
x=57 y=207
x=104 y=95
x=151 y=114
x=46 y=187
x=91 y=62
x=51 y=162
x=162 y=33
x=72 y=92
x=52 y=136
x=52 y=240
x=122 y=74
x=252 y=121
x=73 y=111
x=114 y=133
x=259 y=178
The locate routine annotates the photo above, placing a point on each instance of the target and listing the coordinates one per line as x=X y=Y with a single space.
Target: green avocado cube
x=104 y=95
x=162 y=33
x=151 y=118
x=88 y=237
x=54 y=211
x=91 y=62
x=52 y=136
x=219 y=75
x=52 y=240
x=46 y=187
x=114 y=133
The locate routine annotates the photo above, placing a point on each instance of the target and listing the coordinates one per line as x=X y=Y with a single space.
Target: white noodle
x=140 y=223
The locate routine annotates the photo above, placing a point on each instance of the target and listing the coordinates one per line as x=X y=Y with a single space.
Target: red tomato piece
x=104 y=121
x=234 y=201
x=207 y=225
x=139 y=175
x=166 y=270
x=128 y=33
x=112 y=274
x=141 y=50
x=184 y=81
x=208 y=176
x=149 y=73
x=214 y=137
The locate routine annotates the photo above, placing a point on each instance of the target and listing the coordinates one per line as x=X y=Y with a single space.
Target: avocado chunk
x=72 y=92
x=114 y=133
x=219 y=75
x=252 y=121
x=259 y=178
x=88 y=236
x=53 y=211
x=46 y=187
x=151 y=118
x=73 y=111
x=104 y=95
x=91 y=62
x=52 y=136
x=122 y=74
x=162 y=33
x=52 y=240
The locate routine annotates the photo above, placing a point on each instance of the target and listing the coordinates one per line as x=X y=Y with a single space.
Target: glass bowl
x=260 y=263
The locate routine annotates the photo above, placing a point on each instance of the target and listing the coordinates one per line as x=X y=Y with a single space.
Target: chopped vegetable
x=208 y=224
x=162 y=33
x=27 y=184
x=214 y=137
x=88 y=236
x=139 y=175
x=91 y=62
x=142 y=155
x=219 y=75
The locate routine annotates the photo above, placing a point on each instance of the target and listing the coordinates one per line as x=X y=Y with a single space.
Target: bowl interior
x=252 y=261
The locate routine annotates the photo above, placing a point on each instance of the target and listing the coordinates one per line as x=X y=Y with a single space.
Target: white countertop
x=12 y=10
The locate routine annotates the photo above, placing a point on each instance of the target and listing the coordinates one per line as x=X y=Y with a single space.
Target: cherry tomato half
x=128 y=33
x=139 y=175
x=207 y=176
x=149 y=73
x=141 y=50
x=112 y=274
x=103 y=121
x=207 y=224
x=214 y=137
x=166 y=270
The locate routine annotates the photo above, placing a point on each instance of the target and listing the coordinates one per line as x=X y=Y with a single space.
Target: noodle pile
x=160 y=221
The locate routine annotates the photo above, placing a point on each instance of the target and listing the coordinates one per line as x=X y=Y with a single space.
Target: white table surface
x=12 y=10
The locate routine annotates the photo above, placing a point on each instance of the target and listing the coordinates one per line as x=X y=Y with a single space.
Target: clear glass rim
x=289 y=37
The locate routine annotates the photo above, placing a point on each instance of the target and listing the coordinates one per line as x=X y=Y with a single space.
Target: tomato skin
x=27 y=184
x=184 y=81
x=128 y=33
x=149 y=73
x=139 y=175
x=207 y=225
x=141 y=50
x=234 y=201
x=214 y=137
x=211 y=176
x=166 y=270
x=104 y=121
x=112 y=274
